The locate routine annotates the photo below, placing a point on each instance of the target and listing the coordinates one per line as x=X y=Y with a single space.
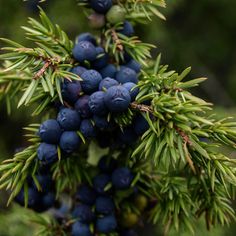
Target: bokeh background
x=201 y=34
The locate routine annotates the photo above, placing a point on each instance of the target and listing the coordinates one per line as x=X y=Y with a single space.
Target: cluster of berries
x=106 y=11
x=38 y=200
x=96 y=210
x=91 y=106
x=105 y=91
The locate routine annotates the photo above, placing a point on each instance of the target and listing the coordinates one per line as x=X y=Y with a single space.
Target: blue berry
x=129 y=232
x=117 y=99
x=45 y=182
x=82 y=107
x=91 y=81
x=132 y=90
x=86 y=195
x=100 y=182
x=134 y=65
x=68 y=119
x=125 y=74
x=86 y=37
x=80 y=229
x=101 y=60
x=127 y=29
x=127 y=136
x=140 y=125
x=104 y=139
x=84 y=51
x=107 y=164
x=33 y=197
x=71 y=91
x=101 y=6
x=78 y=70
x=105 y=205
x=83 y=213
x=106 y=224
x=101 y=122
x=127 y=57
x=47 y=153
x=97 y=104
x=50 y=131
x=48 y=200
x=69 y=141
x=87 y=129
x=108 y=71
x=122 y=178
x=106 y=83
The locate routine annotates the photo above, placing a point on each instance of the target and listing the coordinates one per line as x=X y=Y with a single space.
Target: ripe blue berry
x=106 y=83
x=140 y=125
x=105 y=205
x=132 y=90
x=108 y=71
x=71 y=91
x=68 y=119
x=97 y=104
x=69 y=141
x=106 y=224
x=45 y=182
x=33 y=197
x=48 y=200
x=117 y=99
x=101 y=60
x=107 y=164
x=86 y=37
x=129 y=232
x=102 y=123
x=87 y=129
x=104 y=139
x=82 y=107
x=50 y=131
x=47 y=153
x=127 y=136
x=134 y=65
x=78 y=70
x=100 y=182
x=91 y=81
x=125 y=74
x=86 y=195
x=83 y=213
x=80 y=229
x=84 y=51
x=127 y=29
x=122 y=178
x=127 y=57
x=101 y=6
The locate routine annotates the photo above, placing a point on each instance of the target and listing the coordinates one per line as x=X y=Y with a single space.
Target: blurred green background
x=199 y=33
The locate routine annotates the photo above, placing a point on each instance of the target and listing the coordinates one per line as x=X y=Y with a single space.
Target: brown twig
x=141 y=107
x=184 y=136
x=116 y=40
x=47 y=64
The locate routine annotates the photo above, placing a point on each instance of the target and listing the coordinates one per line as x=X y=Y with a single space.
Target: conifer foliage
x=126 y=142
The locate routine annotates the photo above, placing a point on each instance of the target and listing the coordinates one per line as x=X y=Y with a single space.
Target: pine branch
x=15 y=171
x=46 y=65
x=117 y=44
x=143 y=10
x=69 y=173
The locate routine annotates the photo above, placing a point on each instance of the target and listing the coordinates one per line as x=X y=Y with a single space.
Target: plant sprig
x=41 y=69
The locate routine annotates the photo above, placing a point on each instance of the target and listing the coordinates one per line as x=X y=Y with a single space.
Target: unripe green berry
x=129 y=219
x=141 y=202
x=116 y=14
